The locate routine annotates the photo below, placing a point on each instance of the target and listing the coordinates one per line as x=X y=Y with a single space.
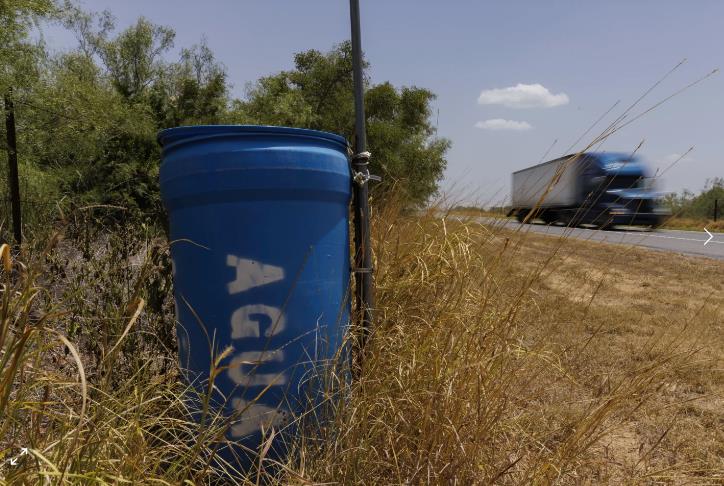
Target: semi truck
x=603 y=189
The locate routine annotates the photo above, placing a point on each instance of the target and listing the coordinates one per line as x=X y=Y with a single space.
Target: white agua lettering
x=254 y=359
x=250 y=274
x=243 y=323
x=256 y=416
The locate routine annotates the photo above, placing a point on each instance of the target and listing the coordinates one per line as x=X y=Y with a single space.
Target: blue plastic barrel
x=259 y=237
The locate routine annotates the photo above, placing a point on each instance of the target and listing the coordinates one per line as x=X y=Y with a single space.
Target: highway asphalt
x=675 y=241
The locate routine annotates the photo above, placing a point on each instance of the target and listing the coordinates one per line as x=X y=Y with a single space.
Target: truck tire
x=570 y=219
x=520 y=215
x=606 y=225
x=549 y=217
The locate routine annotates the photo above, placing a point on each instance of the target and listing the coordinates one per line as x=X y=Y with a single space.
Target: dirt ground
x=631 y=305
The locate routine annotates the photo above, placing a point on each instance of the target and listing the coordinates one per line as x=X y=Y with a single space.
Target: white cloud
x=500 y=124
x=523 y=96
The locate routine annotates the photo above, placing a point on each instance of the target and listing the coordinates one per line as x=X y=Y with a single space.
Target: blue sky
x=584 y=55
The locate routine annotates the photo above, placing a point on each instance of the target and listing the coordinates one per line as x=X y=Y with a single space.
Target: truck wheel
x=573 y=220
x=605 y=226
x=549 y=217
x=520 y=215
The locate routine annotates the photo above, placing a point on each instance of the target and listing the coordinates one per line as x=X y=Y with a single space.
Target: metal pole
x=360 y=160
x=716 y=209
x=13 y=166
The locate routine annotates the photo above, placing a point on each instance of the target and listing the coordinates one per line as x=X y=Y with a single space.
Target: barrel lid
x=171 y=136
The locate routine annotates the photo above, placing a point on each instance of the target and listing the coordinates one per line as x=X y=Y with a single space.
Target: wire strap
x=361 y=158
x=362 y=270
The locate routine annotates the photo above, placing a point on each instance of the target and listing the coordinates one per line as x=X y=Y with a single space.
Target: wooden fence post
x=13 y=178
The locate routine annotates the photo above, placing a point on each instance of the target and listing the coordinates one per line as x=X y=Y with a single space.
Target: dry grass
x=498 y=357
x=678 y=222
x=471 y=212
x=514 y=358
x=102 y=406
x=641 y=302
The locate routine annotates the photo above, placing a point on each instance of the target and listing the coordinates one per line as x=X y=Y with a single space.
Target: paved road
x=685 y=242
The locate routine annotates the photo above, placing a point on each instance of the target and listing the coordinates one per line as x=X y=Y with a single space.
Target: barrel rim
x=171 y=136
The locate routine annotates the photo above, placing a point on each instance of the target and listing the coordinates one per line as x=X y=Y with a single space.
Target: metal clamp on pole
x=362 y=176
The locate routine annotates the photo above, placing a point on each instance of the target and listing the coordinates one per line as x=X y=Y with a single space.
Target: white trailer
x=551 y=184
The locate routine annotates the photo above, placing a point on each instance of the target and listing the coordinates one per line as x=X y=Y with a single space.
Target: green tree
x=318 y=94
x=403 y=141
x=124 y=91
x=133 y=58
x=99 y=147
x=700 y=206
x=192 y=91
x=18 y=53
x=78 y=127
x=22 y=60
